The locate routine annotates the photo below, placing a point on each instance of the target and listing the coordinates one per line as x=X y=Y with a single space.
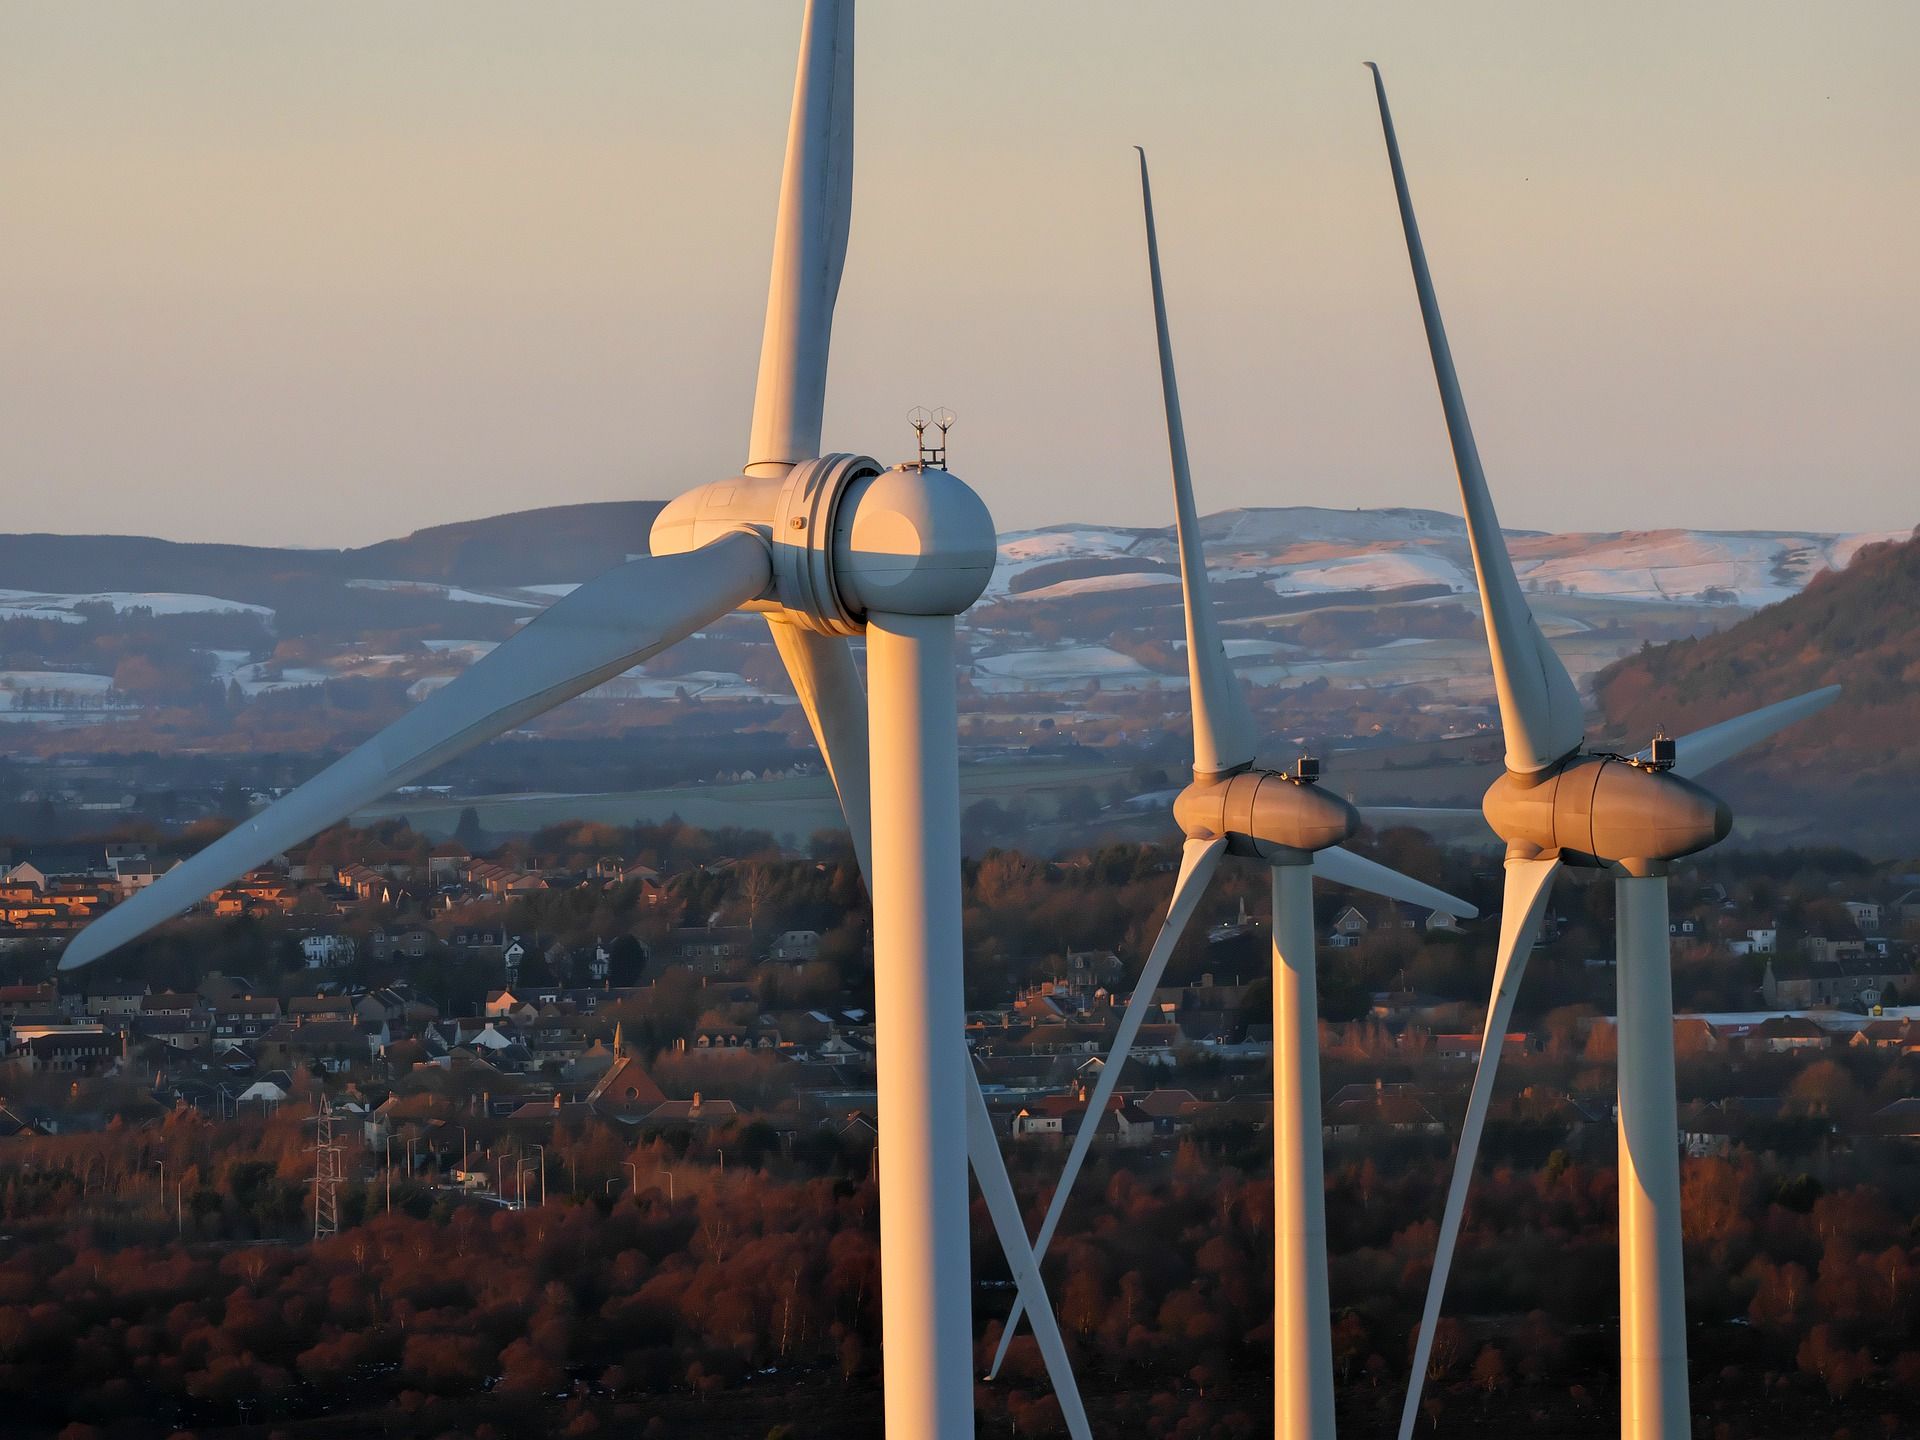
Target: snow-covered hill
x=1306 y=549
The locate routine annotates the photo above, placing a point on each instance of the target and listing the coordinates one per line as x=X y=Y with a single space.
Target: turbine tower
x=826 y=546
x=1630 y=816
x=1233 y=807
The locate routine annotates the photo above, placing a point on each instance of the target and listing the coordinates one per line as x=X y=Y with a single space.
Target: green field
x=781 y=807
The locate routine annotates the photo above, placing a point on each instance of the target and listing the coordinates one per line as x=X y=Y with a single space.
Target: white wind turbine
x=1232 y=807
x=826 y=547
x=1629 y=816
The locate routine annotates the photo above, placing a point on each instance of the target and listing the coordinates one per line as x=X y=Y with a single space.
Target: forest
x=162 y=1282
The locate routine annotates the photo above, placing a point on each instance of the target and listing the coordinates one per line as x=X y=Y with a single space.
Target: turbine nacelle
x=1601 y=811
x=1269 y=815
x=847 y=536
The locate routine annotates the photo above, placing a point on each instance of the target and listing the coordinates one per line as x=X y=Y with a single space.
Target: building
x=244 y=1018
x=323 y=951
x=626 y=1092
x=1378 y=1109
x=65 y=1050
x=1791 y=984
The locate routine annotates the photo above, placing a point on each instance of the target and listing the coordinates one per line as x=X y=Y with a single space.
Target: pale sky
x=322 y=273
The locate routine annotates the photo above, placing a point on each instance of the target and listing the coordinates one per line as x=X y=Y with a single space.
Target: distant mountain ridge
x=1317 y=547
x=555 y=544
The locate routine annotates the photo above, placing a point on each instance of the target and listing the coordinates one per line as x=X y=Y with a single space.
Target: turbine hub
x=913 y=540
x=847 y=537
x=1266 y=814
x=1604 y=811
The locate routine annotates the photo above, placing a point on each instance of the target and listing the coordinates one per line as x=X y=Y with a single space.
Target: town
x=655 y=1025
x=547 y=980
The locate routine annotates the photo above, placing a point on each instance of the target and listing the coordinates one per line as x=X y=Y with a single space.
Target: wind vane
x=941 y=418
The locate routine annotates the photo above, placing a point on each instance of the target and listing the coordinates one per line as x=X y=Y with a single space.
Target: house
x=18 y=1000
x=1349 y=926
x=1899 y=1035
x=1901 y=1118
x=244 y=1018
x=1782 y=1033
x=269 y=1091
x=334 y=1046
x=1378 y=1109
x=697 y=1111
x=509 y=1005
x=135 y=873
x=445 y=862
x=322 y=951
x=121 y=1003
x=412 y=944
x=1120 y=1122
x=1796 y=984
x=1466 y=1047
x=1866 y=915
x=1694 y=1036
x=796 y=946
x=302 y=1009
x=712 y=949
x=388 y=1006
x=1706 y=1129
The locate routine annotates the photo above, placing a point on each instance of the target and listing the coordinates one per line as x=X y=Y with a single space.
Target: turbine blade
x=1198 y=860
x=1528 y=884
x=1356 y=872
x=990 y=1169
x=607 y=626
x=1422 y=817
x=828 y=684
x=1539 y=707
x=1704 y=749
x=809 y=243
x=1223 y=737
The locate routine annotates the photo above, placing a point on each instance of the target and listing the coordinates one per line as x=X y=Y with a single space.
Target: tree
x=467 y=831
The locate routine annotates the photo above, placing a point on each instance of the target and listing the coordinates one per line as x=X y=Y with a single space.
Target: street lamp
x=520 y=1178
x=633 y=1172
x=543 y=1172
x=669 y=1174
x=389 y=1172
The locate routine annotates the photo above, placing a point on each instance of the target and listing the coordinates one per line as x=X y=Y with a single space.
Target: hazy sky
x=322 y=273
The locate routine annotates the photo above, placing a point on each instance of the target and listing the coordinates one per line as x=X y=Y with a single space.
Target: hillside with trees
x=1853 y=772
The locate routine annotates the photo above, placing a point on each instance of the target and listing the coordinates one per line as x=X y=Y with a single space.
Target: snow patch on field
x=1024 y=550
x=455 y=593
x=33 y=605
x=1378 y=570
x=1741 y=568
x=1067 y=667
x=70 y=682
x=1099 y=584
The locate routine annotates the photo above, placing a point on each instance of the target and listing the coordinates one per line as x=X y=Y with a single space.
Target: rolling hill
x=557 y=544
x=1854 y=772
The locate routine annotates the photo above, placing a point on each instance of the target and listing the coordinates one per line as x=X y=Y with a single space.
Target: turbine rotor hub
x=847 y=536
x=1602 y=811
x=913 y=540
x=1266 y=814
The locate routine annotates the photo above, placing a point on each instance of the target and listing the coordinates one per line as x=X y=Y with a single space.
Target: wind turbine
x=1234 y=807
x=1630 y=816
x=826 y=546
